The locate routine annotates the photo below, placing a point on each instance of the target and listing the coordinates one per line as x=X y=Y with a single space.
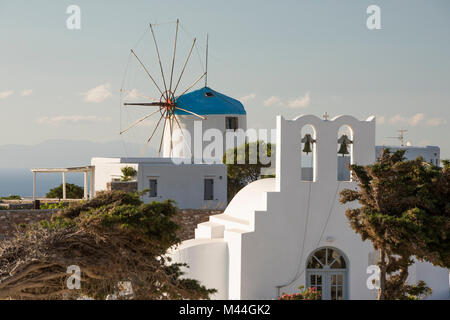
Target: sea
x=19 y=181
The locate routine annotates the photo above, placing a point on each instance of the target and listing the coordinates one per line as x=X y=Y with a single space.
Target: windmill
x=167 y=104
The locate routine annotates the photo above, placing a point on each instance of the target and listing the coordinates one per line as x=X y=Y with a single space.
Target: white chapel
x=277 y=234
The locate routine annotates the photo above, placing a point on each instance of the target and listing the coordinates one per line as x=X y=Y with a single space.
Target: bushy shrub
x=112 y=238
x=57 y=205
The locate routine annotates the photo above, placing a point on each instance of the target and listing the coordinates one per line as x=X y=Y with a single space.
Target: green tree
x=244 y=165
x=111 y=238
x=128 y=173
x=72 y=192
x=405 y=213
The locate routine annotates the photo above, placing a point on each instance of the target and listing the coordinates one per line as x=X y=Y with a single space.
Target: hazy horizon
x=279 y=58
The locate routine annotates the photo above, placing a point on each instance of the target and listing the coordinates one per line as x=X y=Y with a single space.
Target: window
x=327 y=271
x=231 y=123
x=153 y=188
x=209 y=189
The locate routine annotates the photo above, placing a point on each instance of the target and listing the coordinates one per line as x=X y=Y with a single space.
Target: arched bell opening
x=344 y=153
x=308 y=153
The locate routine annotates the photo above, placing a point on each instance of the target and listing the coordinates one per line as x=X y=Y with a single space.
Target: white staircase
x=219 y=224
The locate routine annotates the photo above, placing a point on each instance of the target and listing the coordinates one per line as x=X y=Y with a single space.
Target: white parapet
x=209 y=230
x=208 y=262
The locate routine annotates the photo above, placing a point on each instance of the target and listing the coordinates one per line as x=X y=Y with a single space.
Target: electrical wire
x=300 y=273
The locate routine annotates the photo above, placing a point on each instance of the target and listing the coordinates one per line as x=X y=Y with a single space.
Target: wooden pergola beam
x=86 y=170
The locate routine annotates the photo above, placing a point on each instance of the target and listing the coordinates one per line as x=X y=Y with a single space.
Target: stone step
x=231 y=222
x=209 y=230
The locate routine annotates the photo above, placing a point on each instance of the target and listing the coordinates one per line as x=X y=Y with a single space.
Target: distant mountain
x=64 y=153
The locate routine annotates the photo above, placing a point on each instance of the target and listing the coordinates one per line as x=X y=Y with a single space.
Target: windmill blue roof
x=206 y=101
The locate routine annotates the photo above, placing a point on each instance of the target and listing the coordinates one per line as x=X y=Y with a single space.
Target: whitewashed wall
x=107 y=169
x=429 y=153
x=183 y=183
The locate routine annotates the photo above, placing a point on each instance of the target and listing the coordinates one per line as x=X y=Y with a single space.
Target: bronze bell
x=344 y=141
x=308 y=141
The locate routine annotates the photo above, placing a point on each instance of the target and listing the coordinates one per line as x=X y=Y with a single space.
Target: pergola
x=86 y=170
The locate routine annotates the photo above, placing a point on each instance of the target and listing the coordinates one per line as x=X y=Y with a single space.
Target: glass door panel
x=336 y=284
x=315 y=280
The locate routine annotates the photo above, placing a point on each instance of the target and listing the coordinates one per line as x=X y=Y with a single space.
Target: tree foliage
x=11 y=197
x=72 y=192
x=112 y=238
x=128 y=173
x=405 y=213
x=244 y=164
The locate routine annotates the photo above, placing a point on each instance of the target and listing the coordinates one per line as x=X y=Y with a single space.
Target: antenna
x=400 y=136
x=206 y=73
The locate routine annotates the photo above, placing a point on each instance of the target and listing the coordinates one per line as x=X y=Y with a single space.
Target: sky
x=278 y=57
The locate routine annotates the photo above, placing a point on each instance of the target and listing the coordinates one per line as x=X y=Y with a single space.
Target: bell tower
x=356 y=146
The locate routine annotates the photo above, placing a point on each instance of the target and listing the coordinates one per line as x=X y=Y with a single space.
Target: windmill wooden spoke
x=192 y=85
x=184 y=66
x=162 y=136
x=173 y=59
x=159 y=59
x=144 y=104
x=138 y=95
x=153 y=133
x=138 y=121
x=193 y=113
x=171 y=131
x=146 y=70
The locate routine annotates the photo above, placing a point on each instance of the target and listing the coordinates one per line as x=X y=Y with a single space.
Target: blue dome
x=206 y=101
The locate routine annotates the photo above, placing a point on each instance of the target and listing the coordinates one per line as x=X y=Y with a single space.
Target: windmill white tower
x=220 y=112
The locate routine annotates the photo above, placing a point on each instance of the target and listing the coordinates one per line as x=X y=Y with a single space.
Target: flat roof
x=72 y=169
x=407 y=147
x=137 y=160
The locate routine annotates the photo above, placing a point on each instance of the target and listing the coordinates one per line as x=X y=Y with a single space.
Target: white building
x=192 y=186
x=431 y=154
x=277 y=234
x=194 y=183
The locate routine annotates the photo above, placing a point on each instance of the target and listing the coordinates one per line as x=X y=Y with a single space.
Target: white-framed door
x=330 y=283
x=327 y=272
x=336 y=285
